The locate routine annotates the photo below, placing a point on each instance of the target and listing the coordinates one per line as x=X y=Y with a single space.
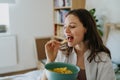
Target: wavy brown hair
x=92 y=36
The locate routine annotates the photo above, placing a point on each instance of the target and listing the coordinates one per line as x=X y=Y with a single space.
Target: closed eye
x=72 y=26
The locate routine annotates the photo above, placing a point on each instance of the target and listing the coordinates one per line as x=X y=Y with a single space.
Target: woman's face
x=73 y=30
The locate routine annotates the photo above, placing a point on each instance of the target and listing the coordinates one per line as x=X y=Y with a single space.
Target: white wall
x=107 y=10
x=113 y=43
x=29 y=19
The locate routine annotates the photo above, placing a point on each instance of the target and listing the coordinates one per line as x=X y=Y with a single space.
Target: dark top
x=81 y=75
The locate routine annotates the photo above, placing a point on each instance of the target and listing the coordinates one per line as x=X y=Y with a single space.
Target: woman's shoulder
x=102 y=56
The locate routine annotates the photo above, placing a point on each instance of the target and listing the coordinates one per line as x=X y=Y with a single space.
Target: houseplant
x=99 y=27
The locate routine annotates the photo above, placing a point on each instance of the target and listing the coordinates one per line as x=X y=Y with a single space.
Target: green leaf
x=92 y=12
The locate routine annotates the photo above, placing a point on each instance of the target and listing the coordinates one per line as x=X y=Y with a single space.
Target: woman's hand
x=51 y=49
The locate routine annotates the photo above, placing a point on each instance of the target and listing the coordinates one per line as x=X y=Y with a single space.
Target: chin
x=70 y=45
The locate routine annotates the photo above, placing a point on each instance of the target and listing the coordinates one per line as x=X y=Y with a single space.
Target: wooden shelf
x=59 y=8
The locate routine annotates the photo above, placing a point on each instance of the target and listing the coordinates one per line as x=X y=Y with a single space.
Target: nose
x=67 y=30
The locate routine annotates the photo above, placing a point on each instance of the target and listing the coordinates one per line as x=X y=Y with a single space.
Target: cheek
x=79 y=34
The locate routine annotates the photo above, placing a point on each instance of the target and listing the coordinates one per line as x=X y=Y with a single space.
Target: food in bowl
x=51 y=75
x=62 y=70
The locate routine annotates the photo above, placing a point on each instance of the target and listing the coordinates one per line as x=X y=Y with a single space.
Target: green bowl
x=58 y=76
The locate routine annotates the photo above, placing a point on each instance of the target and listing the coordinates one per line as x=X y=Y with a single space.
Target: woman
x=85 y=48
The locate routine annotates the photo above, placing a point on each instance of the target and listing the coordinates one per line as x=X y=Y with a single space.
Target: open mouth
x=70 y=38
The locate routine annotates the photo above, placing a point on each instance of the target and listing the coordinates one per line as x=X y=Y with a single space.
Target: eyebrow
x=71 y=23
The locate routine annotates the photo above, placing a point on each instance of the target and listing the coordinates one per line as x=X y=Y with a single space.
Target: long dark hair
x=95 y=43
